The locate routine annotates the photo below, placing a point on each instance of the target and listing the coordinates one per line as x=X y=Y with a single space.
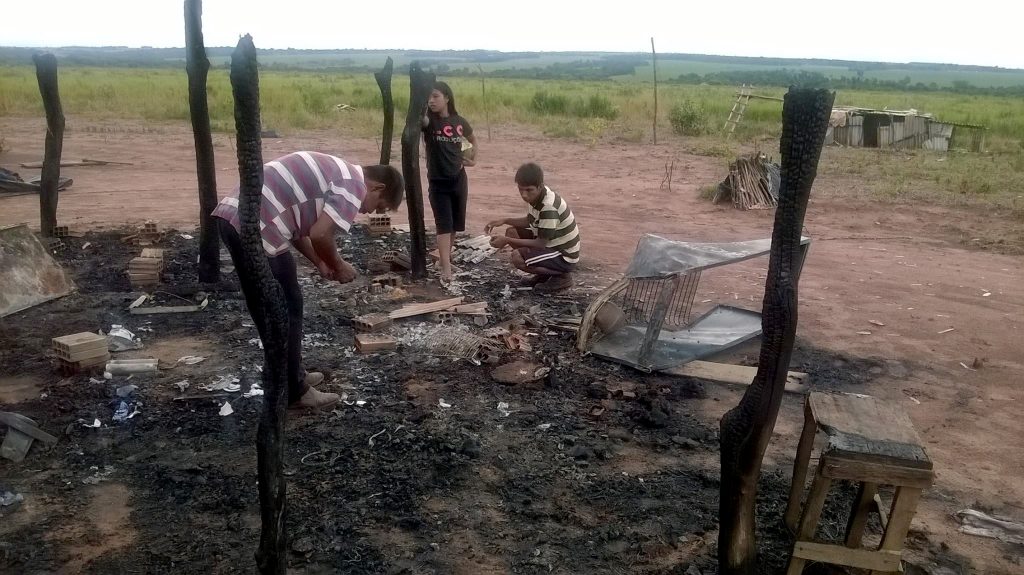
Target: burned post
x=747 y=428
x=384 y=83
x=265 y=300
x=420 y=85
x=46 y=74
x=197 y=66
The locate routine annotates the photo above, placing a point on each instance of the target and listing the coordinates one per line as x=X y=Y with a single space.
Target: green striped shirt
x=552 y=220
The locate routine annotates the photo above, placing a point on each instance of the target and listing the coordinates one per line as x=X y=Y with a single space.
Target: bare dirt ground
x=903 y=266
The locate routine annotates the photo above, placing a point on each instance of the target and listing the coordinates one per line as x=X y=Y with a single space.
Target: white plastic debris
x=120 y=339
x=181 y=385
x=443 y=403
x=506 y=292
x=228 y=383
x=503 y=409
x=257 y=342
x=544 y=426
x=190 y=360
x=186 y=236
x=254 y=391
x=977 y=523
x=95 y=424
x=226 y=409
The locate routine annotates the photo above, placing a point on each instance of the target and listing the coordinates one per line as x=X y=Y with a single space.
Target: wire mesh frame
x=641 y=296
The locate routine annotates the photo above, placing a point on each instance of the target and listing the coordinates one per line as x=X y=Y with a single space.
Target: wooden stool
x=872 y=443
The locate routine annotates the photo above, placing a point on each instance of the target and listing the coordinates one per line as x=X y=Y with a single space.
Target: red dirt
x=919 y=287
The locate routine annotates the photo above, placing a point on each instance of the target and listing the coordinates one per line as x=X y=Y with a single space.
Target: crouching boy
x=546 y=241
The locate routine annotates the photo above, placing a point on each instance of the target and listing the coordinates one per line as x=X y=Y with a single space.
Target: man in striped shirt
x=547 y=240
x=307 y=197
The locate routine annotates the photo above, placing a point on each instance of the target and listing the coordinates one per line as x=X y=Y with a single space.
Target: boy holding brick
x=546 y=241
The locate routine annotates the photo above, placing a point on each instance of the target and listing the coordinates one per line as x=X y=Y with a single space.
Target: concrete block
x=374 y=342
x=388 y=279
x=373 y=322
x=79 y=346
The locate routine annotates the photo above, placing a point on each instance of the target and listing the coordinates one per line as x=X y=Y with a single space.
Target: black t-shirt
x=443 y=137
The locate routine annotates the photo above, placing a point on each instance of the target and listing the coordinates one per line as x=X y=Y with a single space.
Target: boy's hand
x=345 y=273
x=499 y=242
x=493 y=224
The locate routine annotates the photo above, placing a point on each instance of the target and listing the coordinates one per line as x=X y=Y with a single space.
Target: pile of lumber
x=453 y=305
x=753 y=183
x=144 y=271
x=473 y=250
x=80 y=351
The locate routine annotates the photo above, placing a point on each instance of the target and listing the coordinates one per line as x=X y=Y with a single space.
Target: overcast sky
x=980 y=32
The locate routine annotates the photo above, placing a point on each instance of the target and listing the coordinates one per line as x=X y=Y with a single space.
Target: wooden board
x=886 y=561
x=863 y=426
x=424 y=308
x=796 y=382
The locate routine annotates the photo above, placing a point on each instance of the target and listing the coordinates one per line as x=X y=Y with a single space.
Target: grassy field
x=566 y=108
x=586 y=111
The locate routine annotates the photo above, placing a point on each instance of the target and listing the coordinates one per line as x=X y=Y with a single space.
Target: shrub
x=689 y=119
x=550 y=104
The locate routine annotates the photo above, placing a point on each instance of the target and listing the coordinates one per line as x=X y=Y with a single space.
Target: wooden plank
x=859 y=516
x=77 y=163
x=424 y=308
x=861 y=415
x=170 y=309
x=837 y=466
x=803 y=458
x=886 y=561
x=471 y=307
x=735 y=374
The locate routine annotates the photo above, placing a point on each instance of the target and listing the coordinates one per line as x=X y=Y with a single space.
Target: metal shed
x=897 y=129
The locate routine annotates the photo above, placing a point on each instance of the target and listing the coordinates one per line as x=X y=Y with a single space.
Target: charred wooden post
x=746 y=429
x=384 y=83
x=266 y=304
x=197 y=65
x=420 y=85
x=46 y=74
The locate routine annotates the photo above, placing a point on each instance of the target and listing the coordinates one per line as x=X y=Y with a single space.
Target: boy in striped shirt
x=546 y=240
x=307 y=197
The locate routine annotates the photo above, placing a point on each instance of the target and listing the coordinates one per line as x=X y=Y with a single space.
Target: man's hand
x=499 y=242
x=345 y=273
x=493 y=224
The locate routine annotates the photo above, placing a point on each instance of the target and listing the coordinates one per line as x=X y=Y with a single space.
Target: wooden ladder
x=738 y=107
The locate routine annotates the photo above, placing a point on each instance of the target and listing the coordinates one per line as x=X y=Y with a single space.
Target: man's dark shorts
x=543 y=257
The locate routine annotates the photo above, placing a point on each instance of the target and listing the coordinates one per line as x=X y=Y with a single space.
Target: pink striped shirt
x=297 y=189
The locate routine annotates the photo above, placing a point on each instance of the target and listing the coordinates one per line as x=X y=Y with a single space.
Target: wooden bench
x=872 y=443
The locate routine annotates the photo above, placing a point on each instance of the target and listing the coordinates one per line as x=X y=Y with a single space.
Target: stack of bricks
x=144 y=271
x=380 y=224
x=368 y=338
x=80 y=351
x=389 y=279
x=149 y=234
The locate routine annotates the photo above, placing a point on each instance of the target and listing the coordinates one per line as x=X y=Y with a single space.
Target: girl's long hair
x=445 y=89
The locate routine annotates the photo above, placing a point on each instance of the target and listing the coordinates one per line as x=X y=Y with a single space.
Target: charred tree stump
x=746 y=428
x=384 y=82
x=265 y=300
x=420 y=85
x=46 y=74
x=197 y=65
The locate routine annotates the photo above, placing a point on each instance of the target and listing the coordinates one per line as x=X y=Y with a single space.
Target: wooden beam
x=796 y=381
x=887 y=561
x=46 y=74
x=423 y=308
